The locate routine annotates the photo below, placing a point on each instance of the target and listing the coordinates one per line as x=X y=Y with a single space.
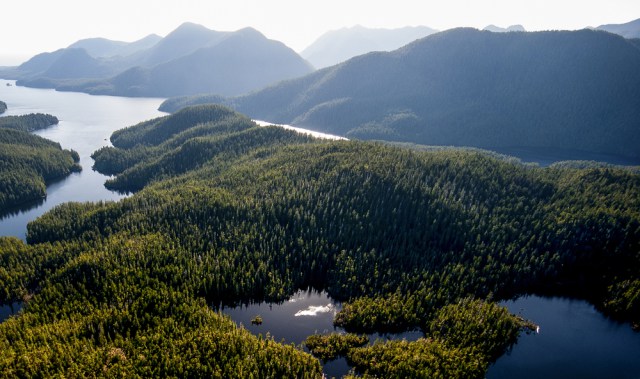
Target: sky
x=28 y=27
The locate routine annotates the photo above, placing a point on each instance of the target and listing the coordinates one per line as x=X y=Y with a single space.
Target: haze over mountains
x=339 y=45
x=191 y=59
x=572 y=90
x=628 y=30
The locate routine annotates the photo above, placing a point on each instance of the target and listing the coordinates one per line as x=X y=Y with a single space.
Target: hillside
x=191 y=59
x=338 y=46
x=566 y=90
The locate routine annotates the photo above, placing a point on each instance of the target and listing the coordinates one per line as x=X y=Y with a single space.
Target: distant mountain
x=339 y=45
x=104 y=48
x=191 y=59
x=576 y=90
x=629 y=30
x=512 y=28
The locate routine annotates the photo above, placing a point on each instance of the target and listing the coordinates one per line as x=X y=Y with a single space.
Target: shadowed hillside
x=567 y=90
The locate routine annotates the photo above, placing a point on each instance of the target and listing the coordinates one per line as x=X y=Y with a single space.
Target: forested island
x=225 y=212
x=28 y=123
x=28 y=162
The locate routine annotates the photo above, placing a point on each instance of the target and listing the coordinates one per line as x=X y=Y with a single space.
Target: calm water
x=575 y=341
x=9 y=310
x=86 y=123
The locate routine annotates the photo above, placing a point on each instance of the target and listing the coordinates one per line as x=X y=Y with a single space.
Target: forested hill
x=408 y=238
x=577 y=90
x=27 y=163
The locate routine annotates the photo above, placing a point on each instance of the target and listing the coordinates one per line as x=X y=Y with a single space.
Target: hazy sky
x=28 y=27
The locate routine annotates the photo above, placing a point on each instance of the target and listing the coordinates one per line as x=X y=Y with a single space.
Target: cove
x=86 y=123
x=574 y=341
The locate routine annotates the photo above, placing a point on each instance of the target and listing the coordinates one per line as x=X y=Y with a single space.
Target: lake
x=86 y=123
x=574 y=341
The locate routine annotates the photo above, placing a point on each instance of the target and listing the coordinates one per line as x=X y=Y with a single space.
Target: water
x=575 y=341
x=86 y=123
x=9 y=310
x=304 y=314
x=302 y=130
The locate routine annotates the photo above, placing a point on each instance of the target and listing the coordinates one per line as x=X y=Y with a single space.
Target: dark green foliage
x=3 y=107
x=484 y=326
x=29 y=122
x=99 y=315
x=463 y=339
x=394 y=313
x=27 y=163
x=577 y=90
x=328 y=347
x=420 y=359
x=263 y=212
x=182 y=142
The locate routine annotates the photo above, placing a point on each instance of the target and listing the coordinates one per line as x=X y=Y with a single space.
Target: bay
x=86 y=123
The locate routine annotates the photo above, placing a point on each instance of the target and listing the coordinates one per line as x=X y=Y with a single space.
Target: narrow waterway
x=86 y=123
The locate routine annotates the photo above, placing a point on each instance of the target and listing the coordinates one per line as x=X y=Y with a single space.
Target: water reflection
x=305 y=313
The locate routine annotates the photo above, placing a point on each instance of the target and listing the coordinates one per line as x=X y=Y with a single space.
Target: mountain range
x=576 y=90
x=339 y=45
x=512 y=28
x=628 y=30
x=191 y=59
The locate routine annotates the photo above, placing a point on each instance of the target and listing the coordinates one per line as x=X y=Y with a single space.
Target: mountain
x=577 y=90
x=512 y=28
x=628 y=30
x=104 y=48
x=191 y=59
x=339 y=45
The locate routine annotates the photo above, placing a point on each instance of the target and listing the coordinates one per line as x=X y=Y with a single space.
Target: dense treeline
x=29 y=122
x=3 y=107
x=468 y=335
x=99 y=315
x=27 y=163
x=330 y=346
x=402 y=234
x=173 y=145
